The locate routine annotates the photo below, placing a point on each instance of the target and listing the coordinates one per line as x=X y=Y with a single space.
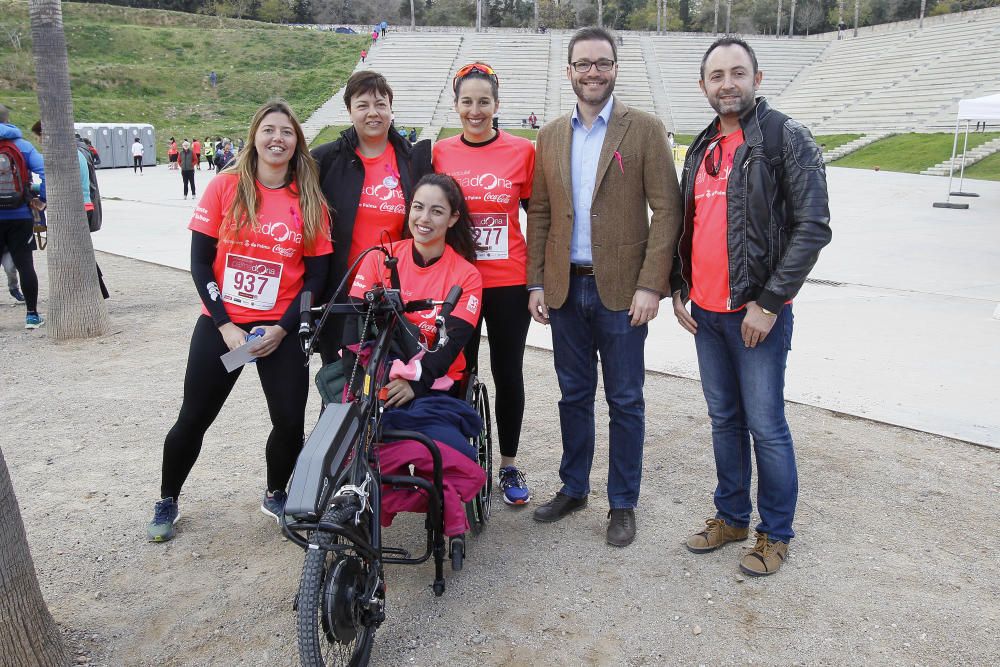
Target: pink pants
x=462 y=479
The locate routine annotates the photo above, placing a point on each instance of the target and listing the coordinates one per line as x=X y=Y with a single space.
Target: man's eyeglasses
x=713 y=157
x=583 y=66
x=482 y=68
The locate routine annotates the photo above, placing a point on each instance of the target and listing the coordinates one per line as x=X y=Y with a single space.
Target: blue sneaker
x=165 y=515
x=514 y=486
x=273 y=504
x=33 y=321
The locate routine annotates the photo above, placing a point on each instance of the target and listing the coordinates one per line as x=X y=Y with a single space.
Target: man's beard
x=745 y=104
x=583 y=94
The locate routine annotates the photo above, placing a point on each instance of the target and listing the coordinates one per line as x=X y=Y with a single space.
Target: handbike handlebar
x=382 y=301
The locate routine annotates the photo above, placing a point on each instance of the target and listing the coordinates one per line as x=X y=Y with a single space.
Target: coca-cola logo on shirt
x=382 y=193
x=386 y=207
x=486 y=181
x=498 y=197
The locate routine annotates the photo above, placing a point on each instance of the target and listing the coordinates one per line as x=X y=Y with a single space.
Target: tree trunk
x=857 y=11
x=413 y=16
x=536 y=15
x=777 y=31
x=923 y=7
x=76 y=308
x=659 y=12
x=715 y=26
x=600 y=13
x=729 y=13
x=791 y=20
x=28 y=635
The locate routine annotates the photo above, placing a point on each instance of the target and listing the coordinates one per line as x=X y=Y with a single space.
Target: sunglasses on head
x=482 y=68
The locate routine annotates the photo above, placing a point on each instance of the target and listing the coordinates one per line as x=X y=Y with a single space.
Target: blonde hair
x=302 y=174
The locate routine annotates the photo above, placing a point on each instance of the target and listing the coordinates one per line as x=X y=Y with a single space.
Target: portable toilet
x=119 y=146
x=87 y=131
x=148 y=137
x=102 y=142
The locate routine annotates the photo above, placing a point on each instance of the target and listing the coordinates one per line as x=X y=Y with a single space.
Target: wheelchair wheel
x=334 y=620
x=478 y=509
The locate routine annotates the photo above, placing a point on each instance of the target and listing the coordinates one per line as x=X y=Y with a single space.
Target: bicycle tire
x=318 y=643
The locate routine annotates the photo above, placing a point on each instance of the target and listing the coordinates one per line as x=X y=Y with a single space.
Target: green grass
x=909 y=153
x=151 y=66
x=517 y=132
x=832 y=141
x=328 y=134
x=988 y=169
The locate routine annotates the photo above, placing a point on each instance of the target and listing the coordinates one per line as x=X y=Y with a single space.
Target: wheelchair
x=334 y=506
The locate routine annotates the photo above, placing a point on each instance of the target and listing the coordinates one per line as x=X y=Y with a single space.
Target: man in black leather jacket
x=756 y=215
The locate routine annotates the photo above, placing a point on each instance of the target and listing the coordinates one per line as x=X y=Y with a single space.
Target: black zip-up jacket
x=342 y=177
x=777 y=209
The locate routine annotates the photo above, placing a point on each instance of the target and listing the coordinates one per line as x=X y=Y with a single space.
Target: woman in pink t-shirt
x=495 y=170
x=259 y=238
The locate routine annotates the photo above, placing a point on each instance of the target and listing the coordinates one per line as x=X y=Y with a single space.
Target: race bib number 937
x=251 y=283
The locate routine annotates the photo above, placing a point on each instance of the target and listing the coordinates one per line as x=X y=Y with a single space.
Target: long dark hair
x=459 y=236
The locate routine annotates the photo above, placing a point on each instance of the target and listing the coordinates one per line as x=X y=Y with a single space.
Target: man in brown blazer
x=598 y=267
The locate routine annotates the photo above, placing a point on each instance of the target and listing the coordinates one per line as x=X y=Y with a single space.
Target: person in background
x=196 y=149
x=186 y=162
x=172 y=154
x=17 y=223
x=138 y=151
x=209 y=147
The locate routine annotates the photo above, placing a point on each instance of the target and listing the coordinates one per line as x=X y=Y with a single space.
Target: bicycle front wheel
x=335 y=627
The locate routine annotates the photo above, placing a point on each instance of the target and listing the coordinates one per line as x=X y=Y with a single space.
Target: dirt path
x=895 y=560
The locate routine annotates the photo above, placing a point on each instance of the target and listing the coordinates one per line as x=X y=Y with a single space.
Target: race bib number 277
x=251 y=283
x=491 y=233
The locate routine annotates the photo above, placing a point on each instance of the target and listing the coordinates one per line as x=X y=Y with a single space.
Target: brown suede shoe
x=717 y=532
x=765 y=558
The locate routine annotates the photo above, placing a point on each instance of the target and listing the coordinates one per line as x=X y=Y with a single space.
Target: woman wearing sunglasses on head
x=367 y=176
x=495 y=170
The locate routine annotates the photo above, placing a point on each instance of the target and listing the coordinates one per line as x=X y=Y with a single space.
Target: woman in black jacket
x=367 y=176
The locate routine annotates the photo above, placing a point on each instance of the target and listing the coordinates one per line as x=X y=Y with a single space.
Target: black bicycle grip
x=450 y=301
x=305 y=312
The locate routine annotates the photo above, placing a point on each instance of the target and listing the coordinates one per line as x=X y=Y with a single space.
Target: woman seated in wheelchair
x=435 y=254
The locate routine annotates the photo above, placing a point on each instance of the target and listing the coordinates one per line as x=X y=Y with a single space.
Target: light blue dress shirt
x=585 y=152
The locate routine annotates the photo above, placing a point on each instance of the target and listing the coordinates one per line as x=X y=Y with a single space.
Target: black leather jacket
x=778 y=210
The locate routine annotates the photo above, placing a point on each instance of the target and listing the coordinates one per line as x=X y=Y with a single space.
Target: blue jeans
x=744 y=389
x=581 y=329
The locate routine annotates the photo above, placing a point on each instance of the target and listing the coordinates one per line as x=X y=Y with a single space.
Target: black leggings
x=136 y=163
x=15 y=238
x=505 y=310
x=187 y=175
x=285 y=380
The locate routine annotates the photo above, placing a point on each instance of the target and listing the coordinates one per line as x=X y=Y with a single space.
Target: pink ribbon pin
x=618 y=156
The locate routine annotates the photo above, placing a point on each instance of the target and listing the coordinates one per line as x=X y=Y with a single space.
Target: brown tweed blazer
x=630 y=250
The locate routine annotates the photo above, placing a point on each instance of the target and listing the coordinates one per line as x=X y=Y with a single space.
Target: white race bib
x=490 y=231
x=251 y=283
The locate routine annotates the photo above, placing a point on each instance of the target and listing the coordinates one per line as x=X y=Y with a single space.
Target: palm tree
x=791 y=20
x=777 y=32
x=76 y=309
x=413 y=16
x=28 y=634
x=857 y=11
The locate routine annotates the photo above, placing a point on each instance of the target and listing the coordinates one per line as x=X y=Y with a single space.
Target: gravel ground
x=895 y=560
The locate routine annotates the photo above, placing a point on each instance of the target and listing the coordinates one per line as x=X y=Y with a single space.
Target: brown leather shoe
x=559 y=507
x=716 y=533
x=621 y=527
x=765 y=558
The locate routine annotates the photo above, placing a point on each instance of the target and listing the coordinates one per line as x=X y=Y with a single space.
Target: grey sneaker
x=273 y=504
x=165 y=515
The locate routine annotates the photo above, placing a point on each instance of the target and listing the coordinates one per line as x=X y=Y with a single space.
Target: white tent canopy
x=980 y=108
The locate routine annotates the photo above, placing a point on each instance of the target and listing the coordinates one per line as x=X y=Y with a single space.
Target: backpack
x=15 y=181
x=94 y=219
